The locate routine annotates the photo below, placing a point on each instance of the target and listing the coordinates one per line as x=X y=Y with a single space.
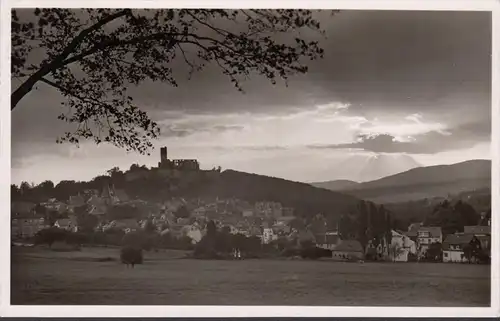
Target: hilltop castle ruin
x=181 y=164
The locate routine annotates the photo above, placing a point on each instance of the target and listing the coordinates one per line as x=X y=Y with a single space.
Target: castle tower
x=163 y=154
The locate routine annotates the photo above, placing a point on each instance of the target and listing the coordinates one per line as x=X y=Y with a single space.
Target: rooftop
x=435 y=231
x=458 y=239
x=477 y=230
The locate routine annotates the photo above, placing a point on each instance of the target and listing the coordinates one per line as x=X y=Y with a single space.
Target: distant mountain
x=338 y=185
x=306 y=199
x=426 y=182
x=367 y=168
x=382 y=165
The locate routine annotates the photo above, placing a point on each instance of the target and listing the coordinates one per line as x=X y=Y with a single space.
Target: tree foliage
x=123 y=211
x=452 y=217
x=93 y=55
x=149 y=227
x=86 y=222
x=182 y=212
x=366 y=222
x=51 y=235
x=434 y=253
x=131 y=255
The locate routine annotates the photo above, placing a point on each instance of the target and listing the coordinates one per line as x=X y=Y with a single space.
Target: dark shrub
x=131 y=255
x=288 y=252
x=314 y=253
x=51 y=235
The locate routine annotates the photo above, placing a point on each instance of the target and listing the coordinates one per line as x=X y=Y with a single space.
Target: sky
x=405 y=88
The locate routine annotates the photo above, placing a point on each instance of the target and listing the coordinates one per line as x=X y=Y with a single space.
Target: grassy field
x=95 y=277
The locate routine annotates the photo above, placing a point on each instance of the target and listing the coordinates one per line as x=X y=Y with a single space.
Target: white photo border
x=6 y=310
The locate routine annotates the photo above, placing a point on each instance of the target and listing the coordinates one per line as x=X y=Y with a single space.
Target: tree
x=467 y=215
x=92 y=56
x=363 y=221
x=434 y=252
x=149 y=227
x=452 y=218
x=25 y=188
x=125 y=211
x=15 y=192
x=131 y=255
x=86 y=222
x=45 y=189
x=211 y=229
x=114 y=171
x=134 y=167
x=51 y=235
x=117 y=176
x=182 y=212
x=223 y=240
x=66 y=188
x=50 y=216
x=471 y=251
x=347 y=228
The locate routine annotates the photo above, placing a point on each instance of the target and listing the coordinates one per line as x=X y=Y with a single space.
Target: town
x=103 y=216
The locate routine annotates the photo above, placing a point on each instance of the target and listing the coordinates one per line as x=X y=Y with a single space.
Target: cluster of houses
x=27 y=218
x=239 y=216
x=450 y=248
x=268 y=221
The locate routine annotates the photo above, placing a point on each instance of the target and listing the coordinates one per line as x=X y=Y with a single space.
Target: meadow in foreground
x=95 y=277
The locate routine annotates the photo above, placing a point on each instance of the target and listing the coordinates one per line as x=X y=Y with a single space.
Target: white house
x=268 y=235
x=328 y=241
x=23 y=227
x=199 y=212
x=401 y=246
x=233 y=230
x=69 y=224
x=427 y=235
x=194 y=232
x=454 y=244
x=247 y=213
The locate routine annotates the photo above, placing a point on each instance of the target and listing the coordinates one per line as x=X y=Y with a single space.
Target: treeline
x=143 y=239
x=417 y=211
x=452 y=217
x=367 y=222
x=304 y=198
x=62 y=191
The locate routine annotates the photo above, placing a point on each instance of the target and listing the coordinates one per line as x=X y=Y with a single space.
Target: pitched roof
x=483 y=237
x=477 y=229
x=126 y=223
x=22 y=207
x=435 y=231
x=76 y=200
x=457 y=239
x=122 y=195
x=285 y=219
x=348 y=246
x=98 y=210
x=414 y=227
x=411 y=233
x=332 y=239
x=64 y=222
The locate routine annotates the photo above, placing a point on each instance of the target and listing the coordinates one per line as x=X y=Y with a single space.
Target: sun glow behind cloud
x=273 y=144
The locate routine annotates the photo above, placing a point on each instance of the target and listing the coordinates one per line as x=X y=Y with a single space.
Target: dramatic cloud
x=391 y=82
x=432 y=142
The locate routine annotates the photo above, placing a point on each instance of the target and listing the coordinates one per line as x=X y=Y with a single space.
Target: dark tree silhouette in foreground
x=93 y=55
x=131 y=255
